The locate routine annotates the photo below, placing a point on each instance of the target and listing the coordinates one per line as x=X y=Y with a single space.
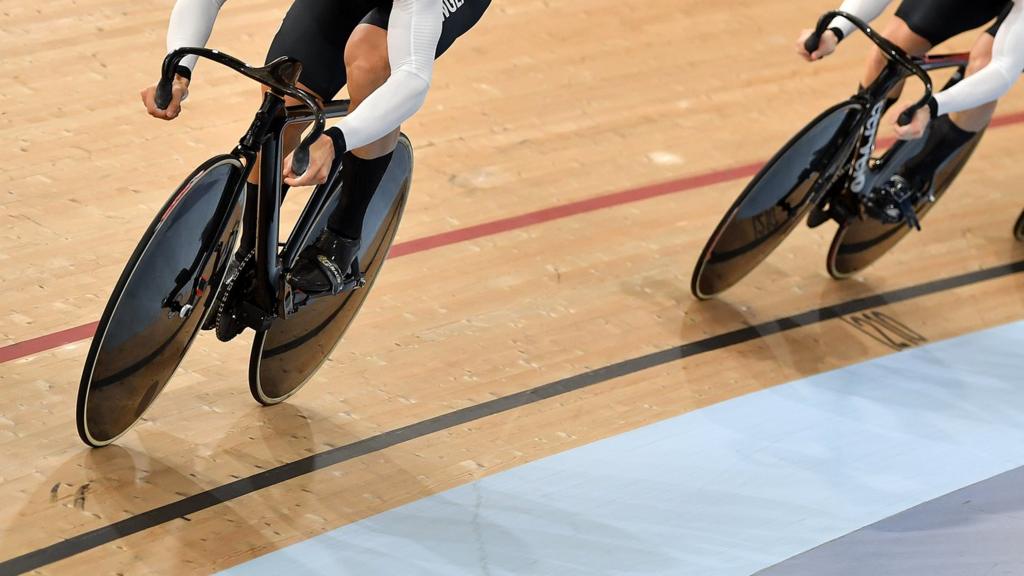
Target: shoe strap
x=334 y=274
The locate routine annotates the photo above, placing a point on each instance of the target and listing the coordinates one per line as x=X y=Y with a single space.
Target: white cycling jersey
x=413 y=32
x=986 y=85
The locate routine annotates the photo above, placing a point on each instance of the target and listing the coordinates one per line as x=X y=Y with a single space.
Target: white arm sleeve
x=413 y=32
x=995 y=79
x=191 y=24
x=866 y=10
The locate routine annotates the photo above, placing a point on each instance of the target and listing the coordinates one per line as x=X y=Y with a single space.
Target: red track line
x=1007 y=120
x=571 y=209
x=71 y=335
x=48 y=342
x=64 y=337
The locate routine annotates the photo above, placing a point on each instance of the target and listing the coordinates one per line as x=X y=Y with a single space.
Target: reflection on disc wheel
x=289 y=353
x=159 y=303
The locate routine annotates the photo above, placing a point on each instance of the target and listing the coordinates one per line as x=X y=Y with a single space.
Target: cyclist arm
x=840 y=27
x=413 y=33
x=866 y=10
x=190 y=25
x=997 y=77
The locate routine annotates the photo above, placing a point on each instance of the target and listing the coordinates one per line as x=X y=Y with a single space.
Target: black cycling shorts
x=940 y=20
x=316 y=32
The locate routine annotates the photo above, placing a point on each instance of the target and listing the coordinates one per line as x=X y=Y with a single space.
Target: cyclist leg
x=367 y=68
x=948 y=134
x=315 y=31
x=920 y=25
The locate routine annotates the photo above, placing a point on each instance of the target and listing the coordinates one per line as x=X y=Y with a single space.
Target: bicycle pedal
x=355 y=284
x=296 y=299
x=909 y=214
x=357 y=275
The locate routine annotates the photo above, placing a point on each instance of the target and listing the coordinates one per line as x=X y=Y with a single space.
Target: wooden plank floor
x=544 y=104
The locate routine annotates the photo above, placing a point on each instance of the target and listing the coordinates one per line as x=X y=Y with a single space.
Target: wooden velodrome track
x=571 y=160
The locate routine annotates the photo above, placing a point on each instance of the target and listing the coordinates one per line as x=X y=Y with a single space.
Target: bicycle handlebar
x=280 y=75
x=890 y=50
x=812 y=42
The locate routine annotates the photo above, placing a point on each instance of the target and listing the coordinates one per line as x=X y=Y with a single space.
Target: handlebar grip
x=300 y=160
x=812 y=42
x=907 y=116
x=163 y=93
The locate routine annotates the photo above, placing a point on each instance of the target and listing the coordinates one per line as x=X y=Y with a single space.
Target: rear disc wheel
x=287 y=355
x=860 y=241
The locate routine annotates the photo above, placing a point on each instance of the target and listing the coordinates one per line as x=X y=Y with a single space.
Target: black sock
x=359 y=180
x=943 y=140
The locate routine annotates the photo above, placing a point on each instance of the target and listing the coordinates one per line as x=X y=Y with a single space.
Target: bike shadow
x=807 y=349
x=97 y=488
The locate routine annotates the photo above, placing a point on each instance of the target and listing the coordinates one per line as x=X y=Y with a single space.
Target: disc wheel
x=859 y=242
x=285 y=356
x=775 y=200
x=160 y=301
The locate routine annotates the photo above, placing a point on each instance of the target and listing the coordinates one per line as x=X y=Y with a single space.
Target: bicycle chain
x=225 y=311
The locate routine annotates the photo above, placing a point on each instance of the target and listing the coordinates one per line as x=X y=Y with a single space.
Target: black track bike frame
x=263 y=138
x=828 y=163
x=872 y=99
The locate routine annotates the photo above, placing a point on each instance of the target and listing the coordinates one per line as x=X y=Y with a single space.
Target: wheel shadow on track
x=808 y=351
x=97 y=487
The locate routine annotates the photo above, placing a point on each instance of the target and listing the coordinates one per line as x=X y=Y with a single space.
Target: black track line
x=232 y=490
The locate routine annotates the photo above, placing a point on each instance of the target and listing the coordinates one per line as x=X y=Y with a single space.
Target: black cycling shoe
x=327 y=266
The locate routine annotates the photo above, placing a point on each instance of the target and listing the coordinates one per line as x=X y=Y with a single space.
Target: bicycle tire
x=860 y=242
x=288 y=354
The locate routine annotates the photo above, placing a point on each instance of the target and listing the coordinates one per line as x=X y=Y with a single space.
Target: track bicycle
x=828 y=172
x=180 y=278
